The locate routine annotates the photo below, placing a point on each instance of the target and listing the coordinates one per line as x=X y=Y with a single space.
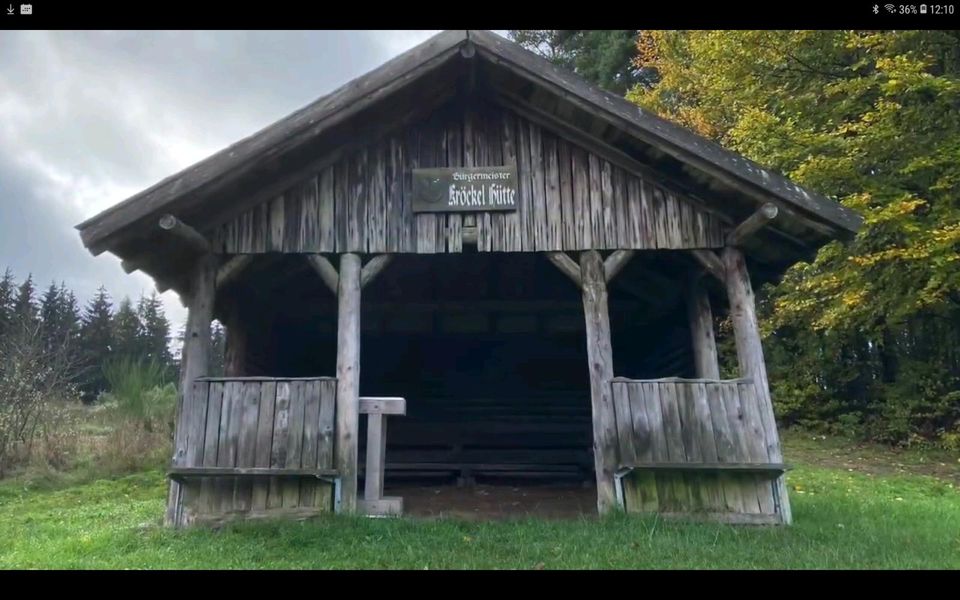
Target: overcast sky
x=91 y=118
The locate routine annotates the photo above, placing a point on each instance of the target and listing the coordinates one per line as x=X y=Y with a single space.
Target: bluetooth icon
x=876 y=9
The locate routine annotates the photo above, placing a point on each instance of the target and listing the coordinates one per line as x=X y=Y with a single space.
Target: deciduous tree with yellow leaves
x=866 y=337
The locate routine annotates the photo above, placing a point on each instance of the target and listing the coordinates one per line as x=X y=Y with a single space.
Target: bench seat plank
x=757 y=468
x=178 y=473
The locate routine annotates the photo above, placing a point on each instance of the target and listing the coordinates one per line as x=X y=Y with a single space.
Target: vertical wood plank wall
x=256 y=423
x=570 y=198
x=664 y=421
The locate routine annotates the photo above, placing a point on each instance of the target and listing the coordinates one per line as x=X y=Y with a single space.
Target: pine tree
x=128 y=332
x=7 y=298
x=25 y=306
x=96 y=342
x=155 y=334
x=50 y=318
x=605 y=57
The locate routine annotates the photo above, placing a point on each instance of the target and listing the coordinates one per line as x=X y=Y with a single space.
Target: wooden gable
x=570 y=198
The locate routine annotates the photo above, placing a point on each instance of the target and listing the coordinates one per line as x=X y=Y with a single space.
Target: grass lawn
x=854 y=507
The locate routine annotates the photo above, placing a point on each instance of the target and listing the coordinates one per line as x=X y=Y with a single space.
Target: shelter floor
x=500 y=501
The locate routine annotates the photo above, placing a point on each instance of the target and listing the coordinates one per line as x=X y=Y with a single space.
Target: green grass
x=843 y=519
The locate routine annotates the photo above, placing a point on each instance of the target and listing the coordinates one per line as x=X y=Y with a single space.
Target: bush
x=138 y=390
x=34 y=382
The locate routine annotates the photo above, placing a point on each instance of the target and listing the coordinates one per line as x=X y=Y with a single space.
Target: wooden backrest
x=688 y=421
x=253 y=422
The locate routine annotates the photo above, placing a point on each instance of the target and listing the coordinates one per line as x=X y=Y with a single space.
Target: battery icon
x=923 y=9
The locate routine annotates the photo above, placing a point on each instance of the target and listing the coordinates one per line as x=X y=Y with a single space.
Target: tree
x=602 y=56
x=155 y=330
x=96 y=343
x=128 y=332
x=25 y=306
x=863 y=335
x=7 y=298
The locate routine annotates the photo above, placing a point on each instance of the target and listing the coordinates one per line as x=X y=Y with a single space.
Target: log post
x=194 y=361
x=348 y=379
x=702 y=336
x=746 y=330
x=600 y=362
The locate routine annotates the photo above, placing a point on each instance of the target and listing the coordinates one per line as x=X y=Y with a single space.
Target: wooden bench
x=694 y=448
x=255 y=446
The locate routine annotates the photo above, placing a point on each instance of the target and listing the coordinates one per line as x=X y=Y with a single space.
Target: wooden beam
x=189 y=235
x=325 y=270
x=709 y=260
x=746 y=330
x=194 y=363
x=229 y=270
x=567 y=266
x=600 y=364
x=615 y=262
x=348 y=379
x=704 y=342
x=758 y=220
x=371 y=405
x=373 y=268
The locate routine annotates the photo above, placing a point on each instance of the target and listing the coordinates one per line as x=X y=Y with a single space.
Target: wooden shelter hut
x=516 y=269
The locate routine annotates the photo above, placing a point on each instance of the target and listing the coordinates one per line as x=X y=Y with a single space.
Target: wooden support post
x=567 y=266
x=373 y=268
x=325 y=270
x=616 y=262
x=191 y=236
x=758 y=220
x=348 y=379
x=746 y=330
x=194 y=362
x=600 y=362
x=700 y=316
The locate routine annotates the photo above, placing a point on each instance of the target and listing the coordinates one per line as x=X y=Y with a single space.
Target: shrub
x=138 y=390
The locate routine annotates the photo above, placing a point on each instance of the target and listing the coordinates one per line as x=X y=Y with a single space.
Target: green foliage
x=602 y=56
x=863 y=337
x=139 y=390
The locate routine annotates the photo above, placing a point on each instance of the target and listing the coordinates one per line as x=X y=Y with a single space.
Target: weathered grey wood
x=187 y=472
x=195 y=361
x=208 y=502
x=750 y=357
x=755 y=222
x=381 y=507
x=567 y=266
x=308 y=454
x=608 y=202
x=294 y=442
x=709 y=260
x=600 y=365
x=376 y=456
x=230 y=416
x=625 y=436
x=554 y=202
x=231 y=269
x=326 y=271
x=278 y=449
x=264 y=443
x=374 y=405
x=616 y=262
x=188 y=235
x=725 y=445
x=247 y=443
x=769 y=469
x=348 y=379
x=373 y=268
x=644 y=485
x=700 y=317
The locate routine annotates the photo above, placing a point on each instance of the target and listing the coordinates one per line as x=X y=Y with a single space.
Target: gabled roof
x=204 y=193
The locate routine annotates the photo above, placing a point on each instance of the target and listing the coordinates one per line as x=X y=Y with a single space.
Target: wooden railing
x=253 y=446
x=694 y=447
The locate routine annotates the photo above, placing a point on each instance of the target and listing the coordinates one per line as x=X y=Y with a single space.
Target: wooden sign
x=465 y=189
